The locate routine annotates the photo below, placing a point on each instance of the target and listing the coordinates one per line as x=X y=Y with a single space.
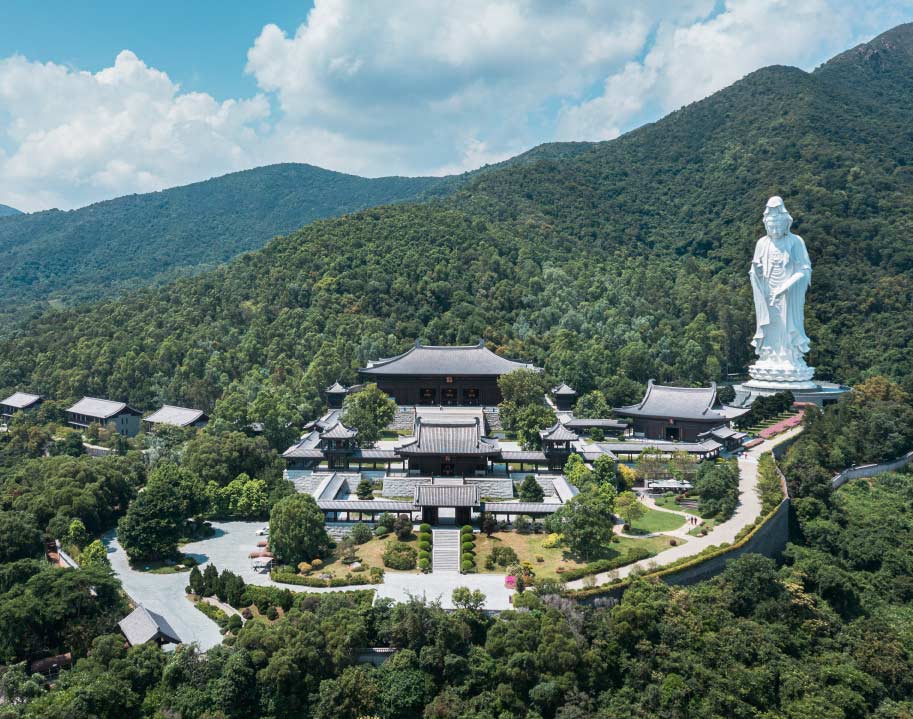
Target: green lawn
x=529 y=548
x=670 y=503
x=656 y=521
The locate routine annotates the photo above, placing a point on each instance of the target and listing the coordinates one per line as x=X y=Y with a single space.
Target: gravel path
x=746 y=512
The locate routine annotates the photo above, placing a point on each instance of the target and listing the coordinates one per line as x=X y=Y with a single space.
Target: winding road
x=746 y=512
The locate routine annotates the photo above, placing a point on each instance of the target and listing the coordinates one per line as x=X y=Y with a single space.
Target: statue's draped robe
x=793 y=339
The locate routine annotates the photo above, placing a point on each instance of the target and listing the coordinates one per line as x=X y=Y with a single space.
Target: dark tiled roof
x=521 y=507
x=358 y=505
x=336 y=388
x=522 y=456
x=338 y=431
x=306 y=447
x=696 y=403
x=448 y=437
x=20 y=400
x=177 y=416
x=558 y=433
x=471 y=360
x=705 y=447
x=141 y=626
x=587 y=423
x=374 y=454
x=564 y=389
x=101 y=408
x=447 y=495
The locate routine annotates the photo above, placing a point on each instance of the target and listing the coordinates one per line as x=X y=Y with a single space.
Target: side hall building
x=682 y=414
x=449 y=376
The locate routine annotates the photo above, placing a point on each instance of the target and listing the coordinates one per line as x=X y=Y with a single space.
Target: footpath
x=746 y=512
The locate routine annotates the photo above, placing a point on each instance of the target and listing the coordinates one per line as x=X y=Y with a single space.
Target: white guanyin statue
x=780 y=274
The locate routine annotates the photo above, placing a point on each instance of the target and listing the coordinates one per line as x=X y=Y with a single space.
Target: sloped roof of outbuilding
x=142 y=625
x=695 y=403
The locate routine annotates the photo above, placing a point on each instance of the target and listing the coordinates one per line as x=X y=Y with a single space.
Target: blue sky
x=106 y=98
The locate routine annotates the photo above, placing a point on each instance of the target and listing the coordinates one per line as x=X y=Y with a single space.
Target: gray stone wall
x=871 y=470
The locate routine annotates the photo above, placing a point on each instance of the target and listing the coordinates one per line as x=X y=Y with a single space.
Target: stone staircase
x=445 y=551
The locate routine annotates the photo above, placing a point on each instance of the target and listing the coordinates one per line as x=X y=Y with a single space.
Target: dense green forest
x=118 y=245
x=55 y=259
x=607 y=265
x=826 y=635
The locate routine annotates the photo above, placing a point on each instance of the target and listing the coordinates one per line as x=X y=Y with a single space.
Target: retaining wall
x=870 y=470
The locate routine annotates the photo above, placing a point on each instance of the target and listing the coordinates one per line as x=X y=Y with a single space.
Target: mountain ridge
x=625 y=261
x=7 y=211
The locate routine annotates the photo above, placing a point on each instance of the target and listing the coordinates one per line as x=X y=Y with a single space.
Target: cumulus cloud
x=412 y=87
x=75 y=136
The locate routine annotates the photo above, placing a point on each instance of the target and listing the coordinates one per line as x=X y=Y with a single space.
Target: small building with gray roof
x=117 y=415
x=18 y=402
x=176 y=417
x=143 y=625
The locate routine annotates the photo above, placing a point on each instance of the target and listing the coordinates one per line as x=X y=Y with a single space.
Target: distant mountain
x=7 y=211
x=605 y=263
x=63 y=258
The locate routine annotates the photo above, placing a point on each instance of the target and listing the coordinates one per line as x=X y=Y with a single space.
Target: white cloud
x=77 y=136
x=411 y=87
x=691 y=61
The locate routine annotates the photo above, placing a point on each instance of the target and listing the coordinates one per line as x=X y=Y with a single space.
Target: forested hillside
x=7 y=211
x=122 y=244
x=608 y=264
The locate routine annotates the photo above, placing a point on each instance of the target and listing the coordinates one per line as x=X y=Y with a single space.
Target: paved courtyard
x=228 y=549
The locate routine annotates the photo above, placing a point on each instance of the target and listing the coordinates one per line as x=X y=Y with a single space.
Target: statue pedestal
x=819 y=393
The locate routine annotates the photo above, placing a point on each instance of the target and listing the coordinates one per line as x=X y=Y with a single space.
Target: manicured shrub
x=316 y=563
x=424 y=555
x=381 y=530
x=466 y=557
x=304 y=567
x=467 y=566
x=424 y=564
x=376 y=575
x=360 y=533
x=424 y=546
x=272 y=614
x=504 y=556
x=403 y=526
x=234 y=623
x=540 y=558
x=425 y=528
x=552 y=541
x=468 y=544
x=425 y=537
x=489 y=562
x=386 y=520
x=466 y=529
x=400 y=556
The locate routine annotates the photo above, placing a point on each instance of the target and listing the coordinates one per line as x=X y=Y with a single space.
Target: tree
x=528 y=421
x=365 y=489
x=402 y=525
x=592 y=405
x=522 y=387
x=606 y=470
x=154 y=522
x=195 y=581
x=19 y=537
x=576 y=471
x=586 y=521
x=531 y=490
x=296 y=529
x=77 y=534
x=368 y=411
x=489 y=523
x=94 y=555
x=629 y=508
x=469 y=599
x=652 y=466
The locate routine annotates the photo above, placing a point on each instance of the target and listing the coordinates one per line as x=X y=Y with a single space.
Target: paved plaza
x=228 y=549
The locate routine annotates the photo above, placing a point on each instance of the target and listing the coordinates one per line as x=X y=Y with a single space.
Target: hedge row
x=467 y=549
x=635 y=554
x=297 y=579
